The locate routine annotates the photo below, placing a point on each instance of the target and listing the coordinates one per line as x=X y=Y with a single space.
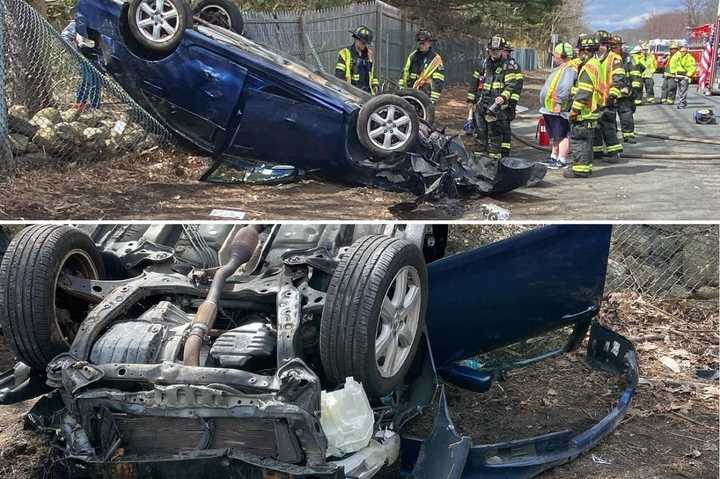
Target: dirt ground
x=671 y=431
x=164 y=186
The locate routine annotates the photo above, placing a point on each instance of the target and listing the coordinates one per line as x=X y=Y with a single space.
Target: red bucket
x=542 y=136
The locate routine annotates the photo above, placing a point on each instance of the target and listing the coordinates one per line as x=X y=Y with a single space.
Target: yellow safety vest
x=593 y=68
x=551 y=99
x=650 y=62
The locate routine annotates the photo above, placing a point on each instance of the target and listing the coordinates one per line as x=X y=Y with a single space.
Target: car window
x=296 y=67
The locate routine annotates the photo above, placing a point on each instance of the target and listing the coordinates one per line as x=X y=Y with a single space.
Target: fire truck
x=661 y=49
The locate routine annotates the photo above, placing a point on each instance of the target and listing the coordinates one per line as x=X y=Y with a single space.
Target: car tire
x=37 y=320
x=422 y=103
x=359 y=330
x=387 y=125
x=177 y=15
x=4 y=241
x=222 y=13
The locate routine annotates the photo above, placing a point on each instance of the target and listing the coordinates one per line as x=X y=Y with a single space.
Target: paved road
x=639 y=190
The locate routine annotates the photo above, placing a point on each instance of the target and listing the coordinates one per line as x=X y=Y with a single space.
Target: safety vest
x=551 y=99
x=348 y=65
x=593 y=69
x=650 y=63
x=608 y=69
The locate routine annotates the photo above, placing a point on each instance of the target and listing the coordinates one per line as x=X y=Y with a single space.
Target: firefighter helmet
x=637 y=49
x=616 y=40
x=588 y=42
x=508 y=46
x=424 y=36
x=497 y=43
x=674 y=46
x=705 y=117
x=603 y=37
x=363 y=34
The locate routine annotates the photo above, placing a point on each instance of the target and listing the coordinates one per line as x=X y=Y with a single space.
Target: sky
x=622 y=14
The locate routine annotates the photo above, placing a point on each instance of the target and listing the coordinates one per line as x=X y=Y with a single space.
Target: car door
x=196 y=90
x=491 y=297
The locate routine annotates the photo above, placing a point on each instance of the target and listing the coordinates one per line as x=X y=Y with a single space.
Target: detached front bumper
x=447 y=454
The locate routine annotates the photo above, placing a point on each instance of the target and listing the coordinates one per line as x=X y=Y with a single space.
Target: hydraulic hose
x=241 y=250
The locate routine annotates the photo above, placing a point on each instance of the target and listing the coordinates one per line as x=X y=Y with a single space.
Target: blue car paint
x=494 y=296
x=231 y=101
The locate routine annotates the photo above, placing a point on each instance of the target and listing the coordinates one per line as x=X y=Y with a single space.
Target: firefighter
x=683 y=66
x=424 y=69
x=585 y=108
x=626 y=103
x=636 y=69
x=648 y=75
x=494 y=106
x=356 y=64
x=515 y=78
x=669 y=89
x=613 y=80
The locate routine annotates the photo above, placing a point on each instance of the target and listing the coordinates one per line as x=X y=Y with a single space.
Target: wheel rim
x=419 y=107
x=216 y=15
x=68 y=311
x=389 y=128
x=399 y=320
x=157 y=20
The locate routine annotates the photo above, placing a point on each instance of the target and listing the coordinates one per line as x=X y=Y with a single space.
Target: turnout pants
x=683 y=88
x=626 y=111
x=481 y=128
x=582 y=136
x=669 y=90
x=649 y=84
x=499 y=135
x=606 y=134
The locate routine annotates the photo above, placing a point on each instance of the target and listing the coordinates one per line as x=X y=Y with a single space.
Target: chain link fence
x=664 y=261
x=315 y=37
x=56 y=105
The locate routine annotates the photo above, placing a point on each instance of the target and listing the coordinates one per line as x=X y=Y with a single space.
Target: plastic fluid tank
x=347 y=419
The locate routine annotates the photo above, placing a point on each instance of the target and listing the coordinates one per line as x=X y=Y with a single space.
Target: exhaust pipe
x=242 y=249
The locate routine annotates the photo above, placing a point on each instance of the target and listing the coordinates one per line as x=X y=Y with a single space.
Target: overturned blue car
x=290 y=351
x=236 y=100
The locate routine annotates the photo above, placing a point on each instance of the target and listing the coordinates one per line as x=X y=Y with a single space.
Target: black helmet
x=424 y=36
x=364 y=34
x=498 y=43
x=705 y=117
x=603 y=37
x=616 y=40
x=588 y=42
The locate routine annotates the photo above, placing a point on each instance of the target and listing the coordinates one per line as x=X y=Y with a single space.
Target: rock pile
x=72 y=135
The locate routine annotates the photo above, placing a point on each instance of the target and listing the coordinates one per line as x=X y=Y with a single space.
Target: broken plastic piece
x=346 y=418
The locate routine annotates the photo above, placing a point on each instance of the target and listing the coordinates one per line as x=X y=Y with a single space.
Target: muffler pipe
x=241 y=250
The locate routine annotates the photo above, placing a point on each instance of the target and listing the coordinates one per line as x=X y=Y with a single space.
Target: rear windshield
x=298 y=68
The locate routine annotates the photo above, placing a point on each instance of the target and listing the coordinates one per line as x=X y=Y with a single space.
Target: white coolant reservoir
x=346 y=418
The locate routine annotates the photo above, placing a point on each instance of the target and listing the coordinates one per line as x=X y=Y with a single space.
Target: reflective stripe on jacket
x=682 y=64
x=650 y=63
x=501 y=77
x=558 y=89
x=613 y=77
x=426 y=72
x=357 y=70
x=588 y=97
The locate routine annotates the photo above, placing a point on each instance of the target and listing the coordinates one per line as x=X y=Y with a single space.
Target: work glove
x=611 y=102
x=574 y=116
x=469 y=127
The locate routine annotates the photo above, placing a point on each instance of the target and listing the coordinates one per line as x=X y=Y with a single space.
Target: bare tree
x=695 y=10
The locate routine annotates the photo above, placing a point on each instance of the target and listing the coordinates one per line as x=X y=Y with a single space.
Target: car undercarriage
x=273 y=351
